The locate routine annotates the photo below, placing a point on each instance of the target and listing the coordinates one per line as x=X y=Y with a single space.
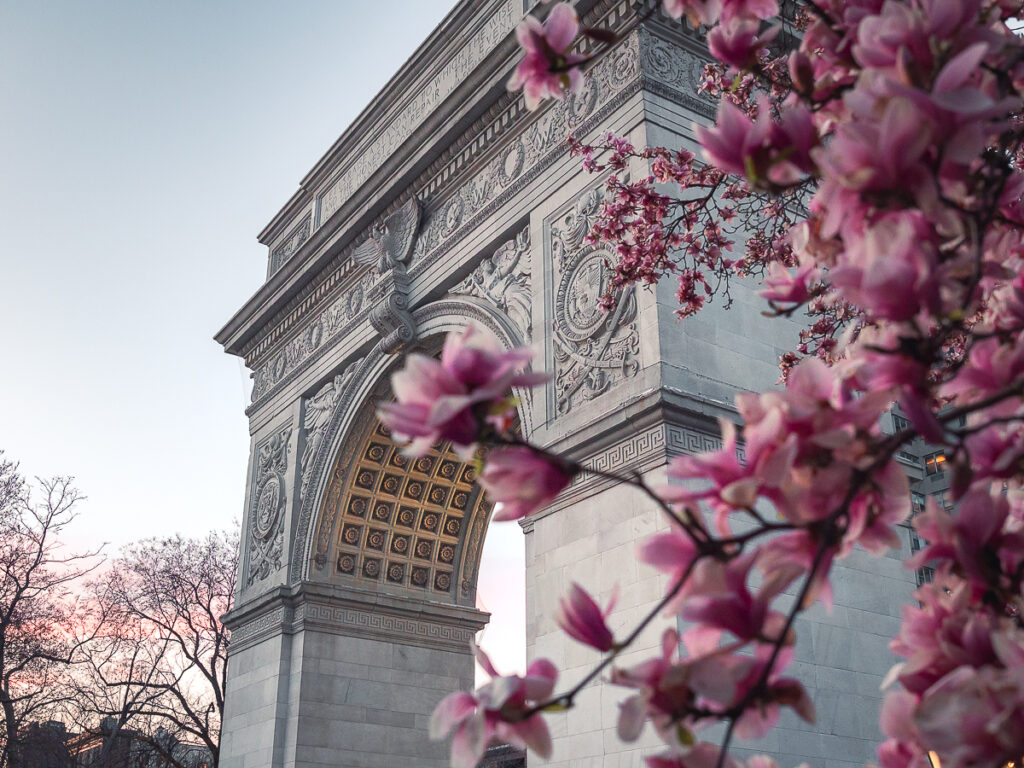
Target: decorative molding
x=678 y=71
x=266 y=514
x=262 y=626
x=512 y=166
x=356 y=622
x=389 y=313
x=504 y=280
x=593 y=349
x=316 y=464
x=329 y=326
x=640 y=451
x=427 y=98
x=616 y=78
x=356 y=615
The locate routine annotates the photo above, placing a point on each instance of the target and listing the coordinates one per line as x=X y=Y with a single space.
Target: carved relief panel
x=267 y=507
x=504 y=280
x=593 y=349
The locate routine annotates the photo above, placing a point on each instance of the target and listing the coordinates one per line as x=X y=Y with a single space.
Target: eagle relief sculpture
x=389 y=249
x=391 y=243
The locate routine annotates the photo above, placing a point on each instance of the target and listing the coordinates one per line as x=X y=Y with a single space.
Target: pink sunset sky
x=144 y=145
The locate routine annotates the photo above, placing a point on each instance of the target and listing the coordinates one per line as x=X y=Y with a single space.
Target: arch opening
x=411 y=526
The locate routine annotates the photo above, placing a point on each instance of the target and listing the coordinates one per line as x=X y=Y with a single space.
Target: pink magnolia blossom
x=739 y=42
x=732 y=483
x=977 y=540
x=789 y=286
x=496 y=712
x=523 y=480
x=674 y=692
x=991 y=366
x=717 y=596
x=547 y=70
x=890 y=267
x=710 y=11
x=582 y=619
x=777 y=152
x=974 y=716
x=697 y=11
x=449 y=399
x=671 y=553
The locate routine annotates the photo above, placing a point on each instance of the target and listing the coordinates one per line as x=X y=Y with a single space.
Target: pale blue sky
x=143 y=145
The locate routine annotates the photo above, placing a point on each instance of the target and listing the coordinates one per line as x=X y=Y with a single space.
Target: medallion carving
x=504 y=280
x=593 y=349
x=266 y=518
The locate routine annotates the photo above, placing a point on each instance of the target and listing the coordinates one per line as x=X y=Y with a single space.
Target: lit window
x=935 y=463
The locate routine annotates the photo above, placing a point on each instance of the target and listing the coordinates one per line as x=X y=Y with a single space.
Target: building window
x=900 y=423
x=926 y=573
x=917 y=503
x=935 y=463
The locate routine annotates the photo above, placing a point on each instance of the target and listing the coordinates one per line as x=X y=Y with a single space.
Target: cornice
x=352 y=612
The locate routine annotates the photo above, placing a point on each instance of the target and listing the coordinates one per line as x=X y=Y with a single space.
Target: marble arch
x=485 y=216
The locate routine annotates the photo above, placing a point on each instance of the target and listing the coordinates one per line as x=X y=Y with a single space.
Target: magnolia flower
x=739 y=42
x=582 y=619
x=497 y=711
x=548 y=69
x=789 y=286
x=449 y=399
x=710 y=11
x=523 y=481
x=763 y=151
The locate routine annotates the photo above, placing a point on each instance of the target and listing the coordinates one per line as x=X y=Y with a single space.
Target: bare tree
x=162 y=659
x=41 y=625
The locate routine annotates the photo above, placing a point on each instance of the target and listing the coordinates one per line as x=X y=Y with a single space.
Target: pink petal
x=667 y=551
x=533 y=732
x=632 y=715
x=452 y=710
x=561 y=27
x=469 y=743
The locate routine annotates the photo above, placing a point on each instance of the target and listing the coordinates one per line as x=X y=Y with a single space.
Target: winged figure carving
x=392 y=242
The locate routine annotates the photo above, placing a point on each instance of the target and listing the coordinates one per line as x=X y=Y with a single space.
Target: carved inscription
x=427 y=99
